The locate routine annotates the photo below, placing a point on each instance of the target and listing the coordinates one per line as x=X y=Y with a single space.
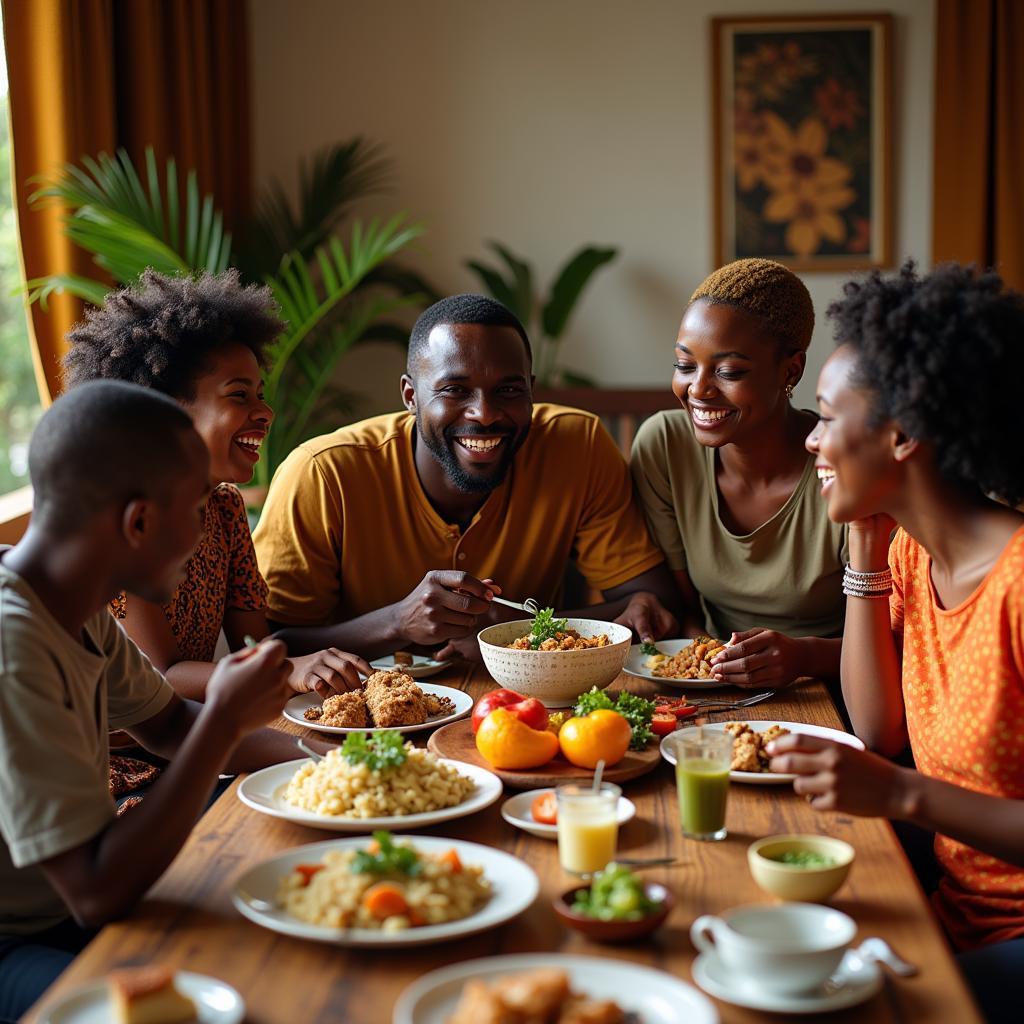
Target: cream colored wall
x=546 y=124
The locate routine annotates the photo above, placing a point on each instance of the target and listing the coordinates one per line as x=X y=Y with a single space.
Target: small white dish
x=769 y=778
x=263 y=791
x=216 y=1002
x=654 y=996
x=516 y=811
x=301 y=702
x=636 y=665
x=514 y=887
x=855 y=981
x=420 y=668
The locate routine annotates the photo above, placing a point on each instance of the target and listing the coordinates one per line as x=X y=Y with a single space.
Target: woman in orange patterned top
x=203 y=342
x=920 y=429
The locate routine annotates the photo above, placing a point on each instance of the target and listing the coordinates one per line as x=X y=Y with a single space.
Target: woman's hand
x=837 y=777
x=760 y=657
x=328 y=671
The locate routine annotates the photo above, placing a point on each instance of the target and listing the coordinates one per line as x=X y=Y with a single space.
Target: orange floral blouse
x=221 y=574
x=963 y=687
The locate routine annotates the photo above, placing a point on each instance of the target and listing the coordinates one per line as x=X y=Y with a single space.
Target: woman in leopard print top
x=203 y=341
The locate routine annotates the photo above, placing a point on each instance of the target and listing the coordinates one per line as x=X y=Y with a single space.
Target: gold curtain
x=978 y=203
x=91 y=75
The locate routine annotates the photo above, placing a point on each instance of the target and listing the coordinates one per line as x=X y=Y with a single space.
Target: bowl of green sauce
x=806 y=868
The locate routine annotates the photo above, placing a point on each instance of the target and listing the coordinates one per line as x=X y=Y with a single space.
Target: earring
x=789 y=390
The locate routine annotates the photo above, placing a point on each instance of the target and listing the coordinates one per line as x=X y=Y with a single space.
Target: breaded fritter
x=343 y=711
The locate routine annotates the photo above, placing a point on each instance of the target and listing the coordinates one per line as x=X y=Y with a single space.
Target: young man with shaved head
x=398 y=530
x=120 y=477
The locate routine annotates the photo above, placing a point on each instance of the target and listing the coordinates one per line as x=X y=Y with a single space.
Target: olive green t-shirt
x=786 y=575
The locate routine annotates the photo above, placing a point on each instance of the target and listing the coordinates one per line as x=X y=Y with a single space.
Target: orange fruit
x=600 y=736
x=505 y=741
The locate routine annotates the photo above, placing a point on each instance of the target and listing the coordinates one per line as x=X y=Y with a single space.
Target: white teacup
x=787 y=949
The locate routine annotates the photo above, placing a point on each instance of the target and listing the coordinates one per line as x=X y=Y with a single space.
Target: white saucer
x=516 y=811
x=857 y=980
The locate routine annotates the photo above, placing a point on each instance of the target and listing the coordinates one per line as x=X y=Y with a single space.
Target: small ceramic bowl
x=556 y=678
x=614 y=931
x=792 y=881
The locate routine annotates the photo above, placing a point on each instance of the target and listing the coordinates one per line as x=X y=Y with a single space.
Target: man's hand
x=328 y=671
x=648 y=617
x=837 y=777
x=250 y=687
x=445 y=604
x=759 y=657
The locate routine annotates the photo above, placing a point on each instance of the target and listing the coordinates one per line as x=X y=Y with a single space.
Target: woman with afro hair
x=729 y=490
x=204 y=342
x=921 y=430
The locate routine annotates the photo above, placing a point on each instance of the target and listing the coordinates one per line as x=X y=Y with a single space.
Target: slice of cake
x=146 y=995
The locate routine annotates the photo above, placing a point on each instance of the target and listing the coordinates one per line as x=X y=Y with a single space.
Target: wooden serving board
x=458 y=742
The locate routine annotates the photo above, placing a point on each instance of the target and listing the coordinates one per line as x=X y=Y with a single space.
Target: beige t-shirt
x=786 y=575
x=58 y=702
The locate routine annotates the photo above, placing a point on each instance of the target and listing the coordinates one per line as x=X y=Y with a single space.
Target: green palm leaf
x=128 y=226
x=523 y=277
x=570 y=283
x=328 y=186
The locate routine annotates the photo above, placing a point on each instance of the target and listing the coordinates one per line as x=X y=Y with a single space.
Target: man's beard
x=442 y=447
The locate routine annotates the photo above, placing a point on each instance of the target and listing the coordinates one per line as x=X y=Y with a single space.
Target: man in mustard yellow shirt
x=398 y=530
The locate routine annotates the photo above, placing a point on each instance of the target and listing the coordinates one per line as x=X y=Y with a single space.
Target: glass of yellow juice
x=703 y=757
x=588 y=827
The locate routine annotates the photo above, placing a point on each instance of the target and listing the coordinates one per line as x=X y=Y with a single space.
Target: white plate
x=514 y=887
x=856 y=981
x=420 y=668
x=657 y=997
x=770 y=778
x=295 y=708
x=516 y=811
x=216 y=1002
x=636 y=666
x=263 y=791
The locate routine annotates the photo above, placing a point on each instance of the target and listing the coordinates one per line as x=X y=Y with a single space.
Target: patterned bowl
x=556 y=678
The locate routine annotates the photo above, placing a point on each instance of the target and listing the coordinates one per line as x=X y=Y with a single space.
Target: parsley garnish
x=649 y=648
x=633 y=709
x=377 y=750
x=545 y=626
x=389 y=858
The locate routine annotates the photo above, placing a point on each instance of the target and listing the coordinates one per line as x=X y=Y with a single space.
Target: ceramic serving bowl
x=794 y=881
x=556 y=678
x=613 y=931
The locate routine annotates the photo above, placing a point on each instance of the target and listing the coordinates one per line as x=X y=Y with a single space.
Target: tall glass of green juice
x=703 y=757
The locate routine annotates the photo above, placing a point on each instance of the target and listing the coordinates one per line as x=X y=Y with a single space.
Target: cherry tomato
x=545 y=809
x=662 y=723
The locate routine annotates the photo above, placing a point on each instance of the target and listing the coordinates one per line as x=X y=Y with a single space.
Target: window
x=19 y=397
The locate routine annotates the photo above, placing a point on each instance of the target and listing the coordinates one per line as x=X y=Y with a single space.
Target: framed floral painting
x=802 y=140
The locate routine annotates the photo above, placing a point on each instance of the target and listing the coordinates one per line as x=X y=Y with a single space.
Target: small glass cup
x=588 y=827
x=703 y=757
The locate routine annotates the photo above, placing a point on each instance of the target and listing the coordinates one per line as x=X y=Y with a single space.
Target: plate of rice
x=337 y=795
x=322 y=891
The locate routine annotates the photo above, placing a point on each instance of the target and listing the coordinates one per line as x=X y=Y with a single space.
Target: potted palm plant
x=333 y=294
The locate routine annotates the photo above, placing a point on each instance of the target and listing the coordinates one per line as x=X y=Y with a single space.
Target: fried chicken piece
x=394 y=700
x=534 y=996
x=737 y=729
x=745 y=755
x=479 y=1005
x=773 y=733
x=437 y=705
x=344 y=711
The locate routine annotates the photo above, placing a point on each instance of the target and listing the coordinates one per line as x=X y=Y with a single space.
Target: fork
x=529 y=605
x=741 y=703
x=726 y=705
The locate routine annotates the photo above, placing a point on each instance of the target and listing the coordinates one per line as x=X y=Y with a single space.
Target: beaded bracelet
x=867 y=584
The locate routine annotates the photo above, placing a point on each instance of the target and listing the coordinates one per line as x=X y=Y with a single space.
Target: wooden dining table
x=187 y=920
